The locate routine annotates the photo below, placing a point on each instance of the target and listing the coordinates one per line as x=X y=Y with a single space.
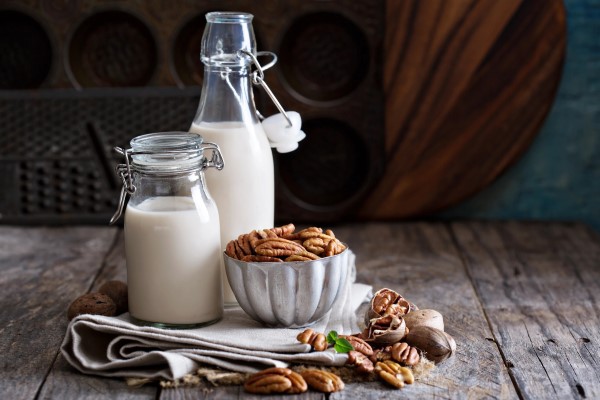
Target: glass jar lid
x=167 y=152
x=163 y=154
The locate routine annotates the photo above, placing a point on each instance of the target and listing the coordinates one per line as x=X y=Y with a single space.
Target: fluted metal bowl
x=288 y=294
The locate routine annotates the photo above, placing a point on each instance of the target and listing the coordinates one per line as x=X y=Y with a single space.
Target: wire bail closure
x=258 y=77
x=124 y=170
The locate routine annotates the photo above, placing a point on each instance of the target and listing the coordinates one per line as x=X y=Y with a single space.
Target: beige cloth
x=113 y=346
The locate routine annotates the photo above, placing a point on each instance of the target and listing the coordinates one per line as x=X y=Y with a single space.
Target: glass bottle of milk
x=244 y=190
x=172 y=244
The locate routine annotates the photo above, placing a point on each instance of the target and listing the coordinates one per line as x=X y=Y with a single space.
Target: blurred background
x=413 y=108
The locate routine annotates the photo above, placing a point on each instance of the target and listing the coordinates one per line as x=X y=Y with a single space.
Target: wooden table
x=521 y=299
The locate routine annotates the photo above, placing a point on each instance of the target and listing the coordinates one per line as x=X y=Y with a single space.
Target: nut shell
x=436 y=344
x=92 y=303
x=117 y=291
x=430 y=318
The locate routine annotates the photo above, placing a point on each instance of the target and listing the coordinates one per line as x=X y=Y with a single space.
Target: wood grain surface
x=544 y=306
x=41 y=272
x=468 y=84
x=521 y=300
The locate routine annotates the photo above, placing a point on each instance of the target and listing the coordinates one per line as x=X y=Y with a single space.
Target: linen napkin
x=113 y=346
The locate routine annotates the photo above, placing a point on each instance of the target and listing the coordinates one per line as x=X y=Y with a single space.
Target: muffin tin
x=55 y=116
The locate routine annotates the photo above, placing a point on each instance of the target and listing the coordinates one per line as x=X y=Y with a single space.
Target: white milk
x=173 y=270
x=244 y=189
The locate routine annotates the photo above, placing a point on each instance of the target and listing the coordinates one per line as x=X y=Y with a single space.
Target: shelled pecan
x=405 y=354
x=318 y=341
x=359 y=344
x=360 y=361
x=275 y=380
x=394 y=374
x=322 y=381
x=284 y=244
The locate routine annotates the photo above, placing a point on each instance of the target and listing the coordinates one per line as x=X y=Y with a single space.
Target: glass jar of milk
x=172 y=235
x=227 y=116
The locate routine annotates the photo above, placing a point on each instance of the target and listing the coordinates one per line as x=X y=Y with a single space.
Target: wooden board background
x=468 y=84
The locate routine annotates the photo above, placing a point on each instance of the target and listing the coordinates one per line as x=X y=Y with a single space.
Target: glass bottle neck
x=227 y=96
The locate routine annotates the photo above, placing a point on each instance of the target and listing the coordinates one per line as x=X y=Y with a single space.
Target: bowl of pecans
x=287 y=278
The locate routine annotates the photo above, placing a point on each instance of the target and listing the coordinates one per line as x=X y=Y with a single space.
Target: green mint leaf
x=342 y=346
x=332 y=337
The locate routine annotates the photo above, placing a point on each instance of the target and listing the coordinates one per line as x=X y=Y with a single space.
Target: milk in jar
x=172 y=235
x=173 y=265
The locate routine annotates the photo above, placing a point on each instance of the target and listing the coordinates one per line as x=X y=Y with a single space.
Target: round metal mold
x=185 y=54
x=112 y=49
x=324 y=57
x=288 y=294
x=26 y=56
x=330 y=167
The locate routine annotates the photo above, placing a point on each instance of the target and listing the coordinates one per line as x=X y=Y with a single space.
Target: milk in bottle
x=244 y=189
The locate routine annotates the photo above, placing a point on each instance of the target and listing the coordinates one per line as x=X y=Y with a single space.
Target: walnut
x=92 y=303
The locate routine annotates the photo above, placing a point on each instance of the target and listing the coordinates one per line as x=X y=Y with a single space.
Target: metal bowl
x=288 y=294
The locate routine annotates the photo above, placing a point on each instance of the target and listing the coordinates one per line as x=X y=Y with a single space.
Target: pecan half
x=359 y=344
x=392 y=379
x=259 y=258
x=283 y=230
x=394 y=374
x=270 y=380
x=278 y=247
x=361 y=362
x=405 y=354
x=315 y=245
x=322 y=381
x=298 y=383
x=244 y=243
x=318 y=341
x=298 y=257
x=380 y=355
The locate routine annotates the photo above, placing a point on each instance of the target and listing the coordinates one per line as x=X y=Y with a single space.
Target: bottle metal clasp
x=258 y=77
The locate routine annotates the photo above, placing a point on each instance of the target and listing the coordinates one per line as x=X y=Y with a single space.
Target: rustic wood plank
x=421 y=262
x=41 y=271
x=207 y=391
x=64 y=382
x=114 y=265
x=540 y=288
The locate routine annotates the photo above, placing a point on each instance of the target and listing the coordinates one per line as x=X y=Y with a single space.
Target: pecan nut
x=270 y=380
x=298 y=383
x=393 y=374
x=259 y=258
x=359 y=345
x=392 y=379
x=283 y=230
x=322 y=381
x=405 y=354
x=361 y=362
x=318 y=341
x=278 y=247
